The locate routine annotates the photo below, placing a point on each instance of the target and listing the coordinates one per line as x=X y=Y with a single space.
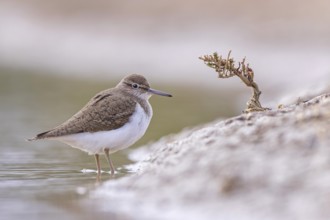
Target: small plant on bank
x=226 y=68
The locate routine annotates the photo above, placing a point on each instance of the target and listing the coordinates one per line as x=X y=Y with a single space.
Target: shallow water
x=44 y=179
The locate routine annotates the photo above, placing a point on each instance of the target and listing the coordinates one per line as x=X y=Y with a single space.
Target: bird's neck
x=145 y=105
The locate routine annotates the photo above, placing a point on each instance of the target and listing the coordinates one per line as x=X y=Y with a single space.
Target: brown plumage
x=107 y=110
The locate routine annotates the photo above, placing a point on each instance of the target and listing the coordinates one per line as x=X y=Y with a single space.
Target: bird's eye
x=135 y=86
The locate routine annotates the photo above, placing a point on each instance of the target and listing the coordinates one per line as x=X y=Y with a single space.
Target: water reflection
x=36 y=184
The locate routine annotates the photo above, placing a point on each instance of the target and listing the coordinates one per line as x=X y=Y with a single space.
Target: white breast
x=114 y=140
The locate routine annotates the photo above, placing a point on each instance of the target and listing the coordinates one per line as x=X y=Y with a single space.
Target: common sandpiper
x=112 y=120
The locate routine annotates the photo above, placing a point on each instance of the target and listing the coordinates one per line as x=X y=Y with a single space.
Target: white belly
x=114 y=140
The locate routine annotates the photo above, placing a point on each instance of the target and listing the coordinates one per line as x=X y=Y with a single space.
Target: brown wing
x=106 y=111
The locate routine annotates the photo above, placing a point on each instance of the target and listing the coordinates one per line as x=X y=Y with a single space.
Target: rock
x=264 y=165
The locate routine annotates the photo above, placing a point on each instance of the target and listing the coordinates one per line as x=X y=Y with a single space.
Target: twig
x=226 y=69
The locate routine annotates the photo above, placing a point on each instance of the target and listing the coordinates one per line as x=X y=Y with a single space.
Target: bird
x=113 y=120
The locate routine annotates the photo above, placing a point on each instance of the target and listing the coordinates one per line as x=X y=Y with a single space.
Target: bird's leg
x=112 y=169
x=97 y=159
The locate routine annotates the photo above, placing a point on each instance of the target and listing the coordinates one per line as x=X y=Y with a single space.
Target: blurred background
x=55 y=55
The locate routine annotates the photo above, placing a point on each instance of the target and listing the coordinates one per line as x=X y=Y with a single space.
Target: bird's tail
x=38 y=136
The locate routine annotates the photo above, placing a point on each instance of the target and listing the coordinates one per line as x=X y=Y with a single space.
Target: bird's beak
x=157 y=92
